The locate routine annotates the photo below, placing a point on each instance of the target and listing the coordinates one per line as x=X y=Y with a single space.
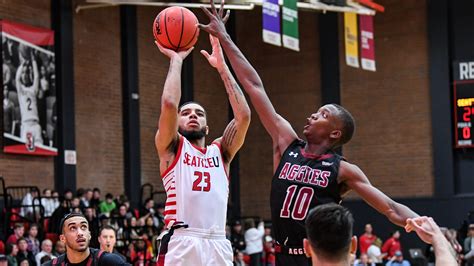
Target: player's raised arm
x=279 y=129
x=234 y=134
x=36 y=74
x=356 y=180
x=167 y=134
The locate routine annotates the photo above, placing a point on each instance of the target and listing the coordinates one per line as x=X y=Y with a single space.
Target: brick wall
x=98 y=99
x=23 y=169
x=392 y=143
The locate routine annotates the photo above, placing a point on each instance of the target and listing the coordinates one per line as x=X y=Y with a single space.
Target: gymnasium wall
x=22 y=169
x=392 y=143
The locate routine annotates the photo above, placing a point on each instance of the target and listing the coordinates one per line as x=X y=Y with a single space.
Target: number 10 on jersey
x=301 y=201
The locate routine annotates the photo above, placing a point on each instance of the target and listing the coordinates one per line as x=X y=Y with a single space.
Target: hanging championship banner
x=29 y=90
x=271 y=22
x=367 y=49
x=290 y=25
x=350 y=37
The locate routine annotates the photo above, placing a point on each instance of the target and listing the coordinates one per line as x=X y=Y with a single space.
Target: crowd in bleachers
x=29 y=232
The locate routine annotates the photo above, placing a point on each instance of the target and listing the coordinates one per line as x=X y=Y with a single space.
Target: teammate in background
x=329 y=235
x=194 y=175
x=27 y=85
x=76 y=236
x=307 y=172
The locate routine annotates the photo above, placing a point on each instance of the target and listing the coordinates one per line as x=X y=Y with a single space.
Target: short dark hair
x=348 y=124
x=107 y=227
x=67 y=217
x=109 y=196
x=190 y=102
x=329 y=230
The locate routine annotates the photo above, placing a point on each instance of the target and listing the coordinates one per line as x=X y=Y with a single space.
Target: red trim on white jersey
x=222 y=156
x=176 y=158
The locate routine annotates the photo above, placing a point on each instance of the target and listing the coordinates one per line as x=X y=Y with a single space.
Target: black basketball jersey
x=301 y=182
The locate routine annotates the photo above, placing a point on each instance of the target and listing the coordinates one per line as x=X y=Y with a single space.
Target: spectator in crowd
x=374 y=252
x=68 y=194
x=32 y=240
x=237 y=238
x=28 y=201
x=119 y=219
x=329 y=231
x=269 y=251
x=3 y=260
x=75 y=203
x=95 y=198
x=46 y=250
x=24 y=262
x=363 y=260
x=55 y=196
x=11 y=250
x=366 y=239
x=86 y=198
x=18 y=231
x=397 y=260
x=469 y=245
x=239 y=258
x=48 y=203
x=451 y=236
x=107 y=205
x=23 y=252
x=139 y=254
x=107 y=240
x=59 y=248
x=90 y=214
x=45 y=259
x=57 y=215
x=147 y=208
x=392 y=245
x=254 y=241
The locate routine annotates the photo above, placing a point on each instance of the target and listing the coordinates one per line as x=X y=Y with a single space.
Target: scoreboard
x=463 y=90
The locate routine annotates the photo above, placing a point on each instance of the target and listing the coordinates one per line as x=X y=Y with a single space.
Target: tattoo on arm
x=229 y=133
x=233 y=89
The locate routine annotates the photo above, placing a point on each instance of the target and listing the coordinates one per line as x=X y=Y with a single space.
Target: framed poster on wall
x=29 y=89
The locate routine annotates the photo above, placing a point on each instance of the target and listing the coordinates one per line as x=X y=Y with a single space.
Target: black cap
x=67 y=217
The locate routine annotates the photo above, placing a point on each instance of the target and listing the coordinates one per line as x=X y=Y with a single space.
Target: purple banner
x=271 y=22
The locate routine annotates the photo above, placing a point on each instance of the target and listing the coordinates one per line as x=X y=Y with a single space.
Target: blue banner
x=271 y=22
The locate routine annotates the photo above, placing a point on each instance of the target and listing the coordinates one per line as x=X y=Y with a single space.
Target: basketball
x=176 y=28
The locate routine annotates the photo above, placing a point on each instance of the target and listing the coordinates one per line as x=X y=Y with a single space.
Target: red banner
x=29 y=90
x=367 y=49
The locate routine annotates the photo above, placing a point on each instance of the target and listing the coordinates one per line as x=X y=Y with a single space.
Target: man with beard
x=194 y=175
x=76 y=236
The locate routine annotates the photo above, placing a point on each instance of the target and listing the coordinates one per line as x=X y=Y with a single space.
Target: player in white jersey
x=194 y=175
x=27 y=88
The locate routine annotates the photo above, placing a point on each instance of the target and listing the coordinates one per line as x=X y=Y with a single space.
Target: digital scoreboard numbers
x=463 y=89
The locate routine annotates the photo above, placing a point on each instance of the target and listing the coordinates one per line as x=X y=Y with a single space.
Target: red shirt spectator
x=392 y=245
x=18 y=232
x=366 y=239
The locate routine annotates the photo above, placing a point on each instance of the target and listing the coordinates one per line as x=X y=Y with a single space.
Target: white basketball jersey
x=28 y=105
x=197 y=187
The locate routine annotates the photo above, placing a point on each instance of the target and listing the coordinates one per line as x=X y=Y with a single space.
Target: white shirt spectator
x=374 y=254
x=46 y=249
x=49 y=206
x=254 y=239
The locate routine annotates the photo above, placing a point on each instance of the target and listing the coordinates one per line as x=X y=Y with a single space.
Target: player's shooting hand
x=217 y=20
x=216 y=59
x=425 y=228
x=173 y=54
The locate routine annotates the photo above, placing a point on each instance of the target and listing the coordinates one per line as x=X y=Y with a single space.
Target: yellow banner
x=351 y=39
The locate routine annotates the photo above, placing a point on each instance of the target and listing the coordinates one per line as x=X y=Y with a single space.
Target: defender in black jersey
x=307 y=173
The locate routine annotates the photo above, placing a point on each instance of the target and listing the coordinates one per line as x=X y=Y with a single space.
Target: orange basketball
x=176 y=28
